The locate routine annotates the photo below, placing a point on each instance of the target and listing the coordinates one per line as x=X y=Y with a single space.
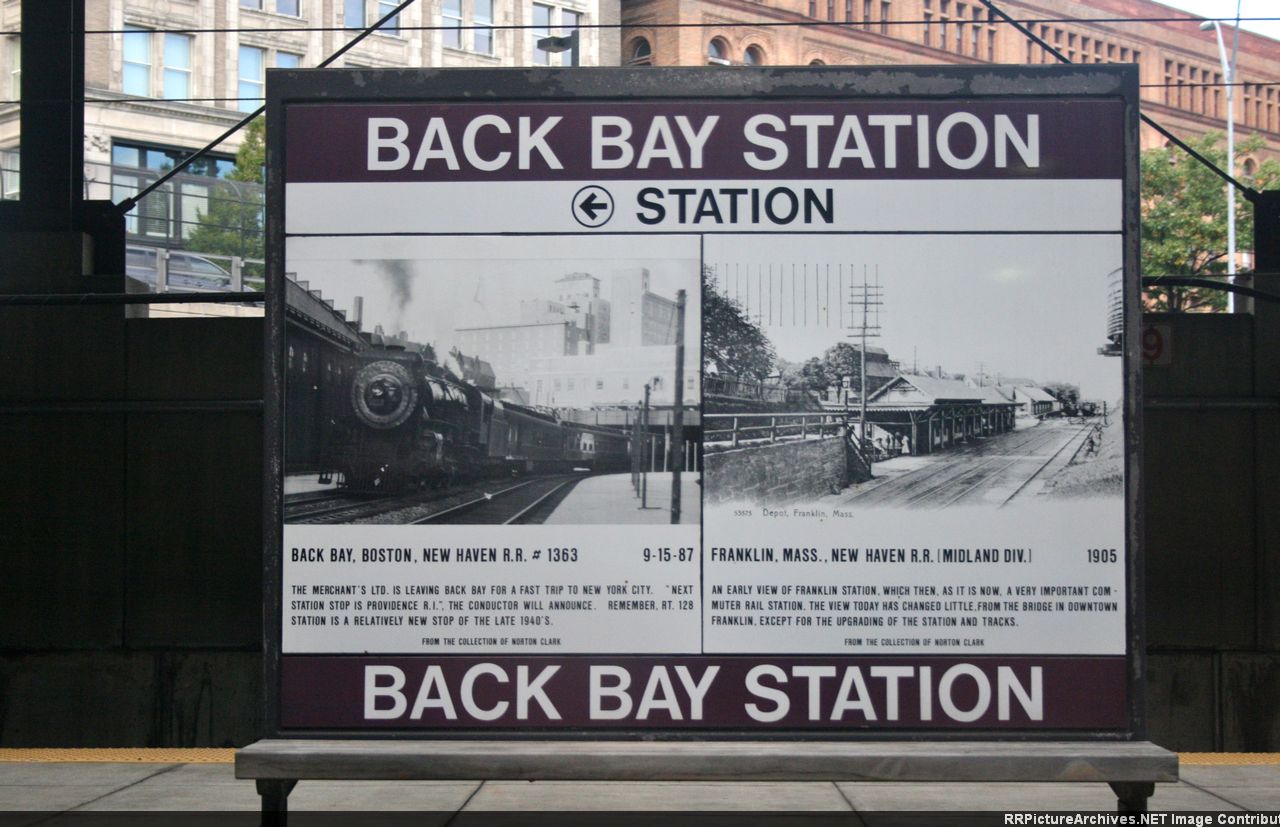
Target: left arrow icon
x=592 y=206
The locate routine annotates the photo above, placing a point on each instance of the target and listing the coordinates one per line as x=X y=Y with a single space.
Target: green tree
x=838 y=361
x=232 y=224
x=1184 y=218
x=731 y=343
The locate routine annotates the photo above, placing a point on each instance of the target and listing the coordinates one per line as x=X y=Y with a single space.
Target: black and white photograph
x=926 y=372
x=492 y=380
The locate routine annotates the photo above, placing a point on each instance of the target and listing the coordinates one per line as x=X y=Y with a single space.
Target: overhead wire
x=994 y=16
x=859 y=23
x=132 y=201
x=1249 y=192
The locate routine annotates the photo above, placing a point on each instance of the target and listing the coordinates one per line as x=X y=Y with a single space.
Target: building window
x=482 y=17
x=288 y=60
x=884 y=17
x=392 y=26
x=866 y=14
x=753 y=56
x=10 y=175
x=353 y=14
x=289 y=7
x=813 y=8
x=451 y=13
x=252 y=77
x=15 y=68
x=137 y=61
x=641 y=52
x=541 y=29
x=177 y=66
x=831 y=9
x=718 y=52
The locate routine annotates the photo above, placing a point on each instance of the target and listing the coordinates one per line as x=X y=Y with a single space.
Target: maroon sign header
x=803 y=140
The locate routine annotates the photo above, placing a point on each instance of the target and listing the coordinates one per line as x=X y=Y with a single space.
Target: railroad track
x=344 y=508
x=967 y=473
x=1078 y=439
x=523 y=502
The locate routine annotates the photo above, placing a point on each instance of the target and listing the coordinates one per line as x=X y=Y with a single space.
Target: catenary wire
x=858 y=23
x=140 y=99
x=1249 y=192
x=132 y=201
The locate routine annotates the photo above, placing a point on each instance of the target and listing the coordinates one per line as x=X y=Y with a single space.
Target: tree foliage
x=838 y=361
x=233 y=223
x=731 y=343
x=1184 y=218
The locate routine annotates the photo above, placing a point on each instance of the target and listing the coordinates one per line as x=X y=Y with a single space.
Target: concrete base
x=1130 y=768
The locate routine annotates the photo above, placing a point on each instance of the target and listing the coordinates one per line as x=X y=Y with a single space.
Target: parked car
x=187 y=271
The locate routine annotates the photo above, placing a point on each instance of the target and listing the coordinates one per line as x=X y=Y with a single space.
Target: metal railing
x=188 y=271
x=732 y=430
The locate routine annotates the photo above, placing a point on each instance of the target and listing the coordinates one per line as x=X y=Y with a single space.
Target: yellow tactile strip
x=227 y=756
x=1228 y=759
x=120 y=756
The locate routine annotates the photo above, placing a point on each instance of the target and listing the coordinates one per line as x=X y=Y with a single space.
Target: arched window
x=1250 y=167
x=753 y=56
x=817 y=61
x=641 y=52
x=718 y=52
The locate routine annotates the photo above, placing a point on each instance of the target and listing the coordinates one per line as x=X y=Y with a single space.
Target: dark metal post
x=644 y=433
x=52 y=133
x=677 y=413
x=1266 y=235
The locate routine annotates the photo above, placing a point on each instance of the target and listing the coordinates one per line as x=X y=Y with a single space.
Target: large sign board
x=874 y=298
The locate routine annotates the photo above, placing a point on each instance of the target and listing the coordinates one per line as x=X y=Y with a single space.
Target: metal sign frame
x=1096 y=82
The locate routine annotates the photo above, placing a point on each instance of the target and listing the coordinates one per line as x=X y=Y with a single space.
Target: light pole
x=1228 y=80
x=557 y=44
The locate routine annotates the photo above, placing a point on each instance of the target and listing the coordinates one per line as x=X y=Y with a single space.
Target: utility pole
x=865 y=296
x=677 y=412
x=644 y=436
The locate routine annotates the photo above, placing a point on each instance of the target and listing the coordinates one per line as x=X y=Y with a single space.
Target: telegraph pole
x=864 y=296
x=644 y=434
x=677 y=413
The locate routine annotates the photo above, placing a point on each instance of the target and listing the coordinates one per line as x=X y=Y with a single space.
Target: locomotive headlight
x=383 y=394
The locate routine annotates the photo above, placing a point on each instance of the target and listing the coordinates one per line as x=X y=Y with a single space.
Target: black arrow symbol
x=591 y=206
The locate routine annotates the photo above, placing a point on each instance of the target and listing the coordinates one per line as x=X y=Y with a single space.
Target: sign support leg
x=1131 y=796
x=275 y=799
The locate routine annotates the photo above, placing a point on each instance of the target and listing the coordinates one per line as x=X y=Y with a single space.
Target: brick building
x=1179 y=64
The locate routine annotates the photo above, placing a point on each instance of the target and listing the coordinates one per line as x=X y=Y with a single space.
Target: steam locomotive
x=412 y=423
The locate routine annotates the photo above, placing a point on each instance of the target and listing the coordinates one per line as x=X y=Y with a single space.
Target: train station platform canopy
x=911 y=398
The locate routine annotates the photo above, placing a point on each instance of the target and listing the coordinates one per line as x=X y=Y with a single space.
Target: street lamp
x=1228 y=80
x=556 y=44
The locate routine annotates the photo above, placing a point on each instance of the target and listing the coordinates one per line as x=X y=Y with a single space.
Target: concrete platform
x=173 y=787
x=609 y=499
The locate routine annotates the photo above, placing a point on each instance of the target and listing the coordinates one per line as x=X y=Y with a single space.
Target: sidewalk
x=609 y=499
x=178 y=786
